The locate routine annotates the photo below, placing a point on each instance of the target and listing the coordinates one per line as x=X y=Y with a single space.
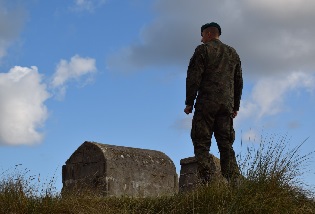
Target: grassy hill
x=272 y=185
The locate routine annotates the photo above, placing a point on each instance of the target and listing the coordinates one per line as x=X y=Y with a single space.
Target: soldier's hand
x=234 y=114
x=188 y=109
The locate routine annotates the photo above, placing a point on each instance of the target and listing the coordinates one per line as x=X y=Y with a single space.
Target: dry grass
x=272 y=185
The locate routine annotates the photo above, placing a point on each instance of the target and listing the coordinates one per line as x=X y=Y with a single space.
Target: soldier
x=214 y=76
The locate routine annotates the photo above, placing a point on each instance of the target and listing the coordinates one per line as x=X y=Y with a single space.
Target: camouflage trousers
x=208 y=119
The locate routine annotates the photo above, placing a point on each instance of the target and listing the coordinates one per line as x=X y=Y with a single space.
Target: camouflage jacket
x=215 y=73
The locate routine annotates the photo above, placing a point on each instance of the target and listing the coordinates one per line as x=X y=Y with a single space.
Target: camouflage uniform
x=215 y=74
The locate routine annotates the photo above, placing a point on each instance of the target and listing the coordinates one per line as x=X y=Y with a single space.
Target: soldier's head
x=210 y=31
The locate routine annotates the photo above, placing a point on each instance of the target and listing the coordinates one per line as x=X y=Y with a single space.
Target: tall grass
x=272 y=183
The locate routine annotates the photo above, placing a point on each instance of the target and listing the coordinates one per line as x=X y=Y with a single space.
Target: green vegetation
x=272 y=185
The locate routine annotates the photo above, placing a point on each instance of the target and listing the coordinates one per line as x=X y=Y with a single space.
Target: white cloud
x=273 y=38
x=270 y=36
x=22 y=97
x=22 y=108
x=87 y=5
x=73 y=70
x=282 y=9
x=11 y=23
x=269 y=93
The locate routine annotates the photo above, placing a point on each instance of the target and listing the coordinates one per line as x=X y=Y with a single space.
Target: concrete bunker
x=116 y=170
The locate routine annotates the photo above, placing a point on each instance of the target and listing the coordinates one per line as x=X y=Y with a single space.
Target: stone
x=188 y=179
x=110 y=170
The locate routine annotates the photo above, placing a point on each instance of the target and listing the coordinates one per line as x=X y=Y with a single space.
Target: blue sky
x=114 y=72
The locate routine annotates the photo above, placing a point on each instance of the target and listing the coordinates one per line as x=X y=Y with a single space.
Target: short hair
x=213 y=28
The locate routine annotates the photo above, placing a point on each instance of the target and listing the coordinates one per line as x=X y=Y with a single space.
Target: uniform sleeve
x=238 y=86
x=194 y=74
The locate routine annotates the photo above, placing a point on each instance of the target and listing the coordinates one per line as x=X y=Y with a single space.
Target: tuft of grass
x=271 y=184
x=21 y=192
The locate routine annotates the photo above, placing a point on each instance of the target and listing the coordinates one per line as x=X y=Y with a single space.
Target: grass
x=273 y=185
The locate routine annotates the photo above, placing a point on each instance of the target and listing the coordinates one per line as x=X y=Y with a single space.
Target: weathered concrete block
x=189 y=175
x=116 y=170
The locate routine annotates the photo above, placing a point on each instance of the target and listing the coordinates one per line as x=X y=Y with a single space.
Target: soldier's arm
x=194 y=75
x=238 y=86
